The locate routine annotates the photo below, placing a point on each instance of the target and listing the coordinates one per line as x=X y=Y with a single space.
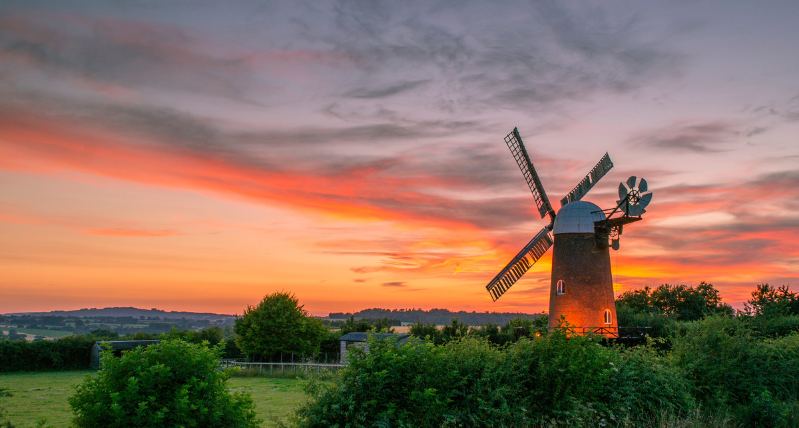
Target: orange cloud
x=131 y=233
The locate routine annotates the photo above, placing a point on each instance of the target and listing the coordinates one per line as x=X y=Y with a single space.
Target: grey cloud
x=702 y=138
x=395 y=284
x=510 y=54
x=387 y=91
x=125 y=53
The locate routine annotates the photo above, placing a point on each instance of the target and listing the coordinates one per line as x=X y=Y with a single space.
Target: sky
x=198 y=155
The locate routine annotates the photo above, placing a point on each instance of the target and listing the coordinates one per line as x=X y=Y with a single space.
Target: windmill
x=581 y=286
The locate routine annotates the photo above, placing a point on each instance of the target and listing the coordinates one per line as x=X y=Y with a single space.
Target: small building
x=116 y=346
x=358 y=339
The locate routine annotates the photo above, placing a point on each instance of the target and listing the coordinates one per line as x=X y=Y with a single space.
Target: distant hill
x=437 y=316
x=131 y=312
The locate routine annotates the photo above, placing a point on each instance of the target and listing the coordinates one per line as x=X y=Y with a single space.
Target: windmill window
x=561 y=288
x=607 y=316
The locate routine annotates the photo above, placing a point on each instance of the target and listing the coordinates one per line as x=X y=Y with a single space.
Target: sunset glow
x=196 y=158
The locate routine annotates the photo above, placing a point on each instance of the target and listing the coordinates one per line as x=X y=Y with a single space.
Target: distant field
x=37 y=395
x=38 y=332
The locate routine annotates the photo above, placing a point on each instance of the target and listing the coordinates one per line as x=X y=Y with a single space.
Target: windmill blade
x=635 y=210
x=520 y=264
x=645 y=199
x=597 y=172
x=514 y=142
x=642 y=187
x=623 y=190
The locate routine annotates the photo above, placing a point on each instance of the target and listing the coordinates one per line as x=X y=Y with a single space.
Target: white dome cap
x=577 y=217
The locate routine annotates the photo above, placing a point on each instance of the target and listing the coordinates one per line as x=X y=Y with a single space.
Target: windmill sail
x=520 y=264
x=598 y=171
x=514 y=142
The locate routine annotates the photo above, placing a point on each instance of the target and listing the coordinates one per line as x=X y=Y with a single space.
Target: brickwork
x=588 y=283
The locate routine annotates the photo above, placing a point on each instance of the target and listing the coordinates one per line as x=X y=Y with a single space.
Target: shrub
x=173 y=383
x=66 y=353
x=659 y=324
x=729 y=364
x=549 y=380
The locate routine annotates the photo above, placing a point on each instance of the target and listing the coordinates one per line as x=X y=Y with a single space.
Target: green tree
x=770 y=301
x=489 y=332
x=278 y=324
x=456 y=329
x=104 y=334
x=352 y=326
x=424 y=330
x=680 y=302
x=383 y=325
x=170 y=384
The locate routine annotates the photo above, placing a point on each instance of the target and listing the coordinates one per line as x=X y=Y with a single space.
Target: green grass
x=37 y=395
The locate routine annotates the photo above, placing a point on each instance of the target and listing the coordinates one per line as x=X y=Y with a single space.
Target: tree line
x=434 y=316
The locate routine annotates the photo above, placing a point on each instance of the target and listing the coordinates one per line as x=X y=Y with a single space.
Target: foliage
x=212 y=335
x=66 y=353
x=172 y=383
x=772 y=302
x=103 y=334
x=659 y=324
x=278 y=324
x=383 y=325
x=774 y=326
x=426 y=330
x=434 y=316
x=489 y=332
x=38 y=395
x=729 y=364
x=469 y=382
x=679 y=302
x=455 y=330
x=352 y=326
x=380 y=325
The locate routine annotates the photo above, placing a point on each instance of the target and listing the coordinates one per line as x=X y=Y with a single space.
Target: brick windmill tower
x=582 y=281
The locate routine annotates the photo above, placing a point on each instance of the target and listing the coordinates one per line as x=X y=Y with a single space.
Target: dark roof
x=361 y=337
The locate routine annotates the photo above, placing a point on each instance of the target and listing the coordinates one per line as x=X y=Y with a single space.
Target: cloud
x=696 y=138
x=121 y=52
x=132 y=233
x=387 y=91
x=509 y=55
x=394 y=284
x=359 y=280
x=367 y=269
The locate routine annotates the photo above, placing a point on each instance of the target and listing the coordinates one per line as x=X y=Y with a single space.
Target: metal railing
x=614 y=332
x=273 y=367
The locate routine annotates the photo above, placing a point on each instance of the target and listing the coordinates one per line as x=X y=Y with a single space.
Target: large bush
x=170 y=384
x=730 y=365
x=472 y=383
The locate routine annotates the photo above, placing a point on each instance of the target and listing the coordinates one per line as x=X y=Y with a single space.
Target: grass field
x=44 y=395
x=40 y=332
